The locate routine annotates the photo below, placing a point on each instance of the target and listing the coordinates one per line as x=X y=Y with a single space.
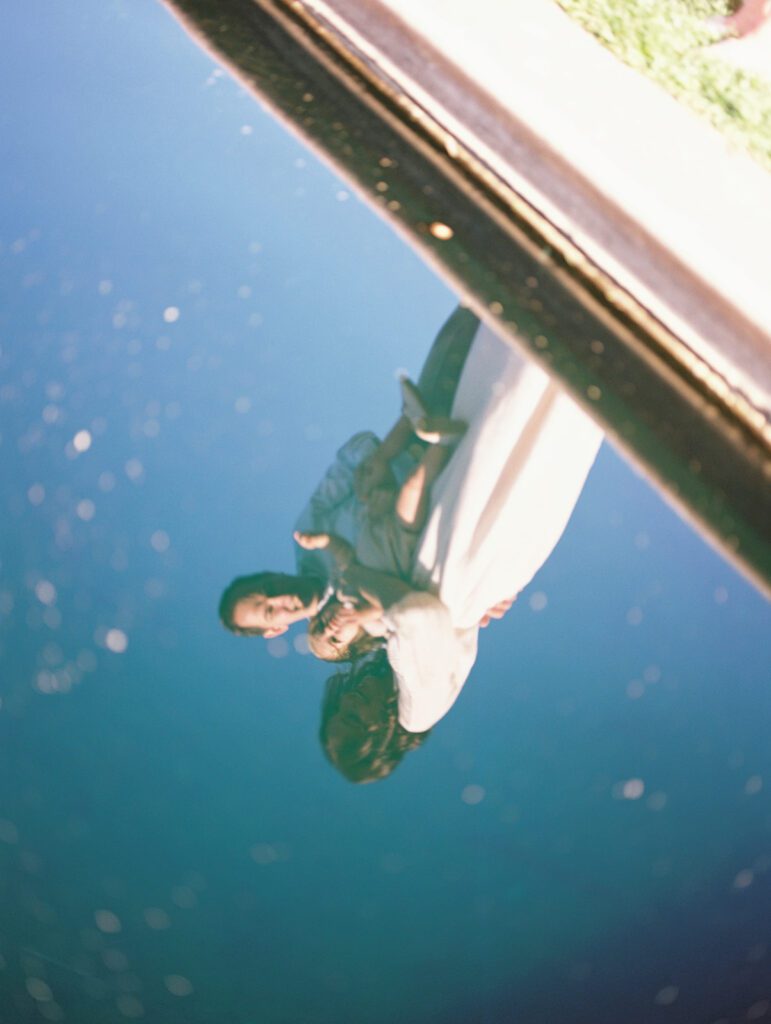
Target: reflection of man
x=364 y=471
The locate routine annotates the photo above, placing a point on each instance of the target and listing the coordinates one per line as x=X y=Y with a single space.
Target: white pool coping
x=652 y=194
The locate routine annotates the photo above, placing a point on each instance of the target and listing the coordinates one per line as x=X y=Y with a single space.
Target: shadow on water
x=693 y=957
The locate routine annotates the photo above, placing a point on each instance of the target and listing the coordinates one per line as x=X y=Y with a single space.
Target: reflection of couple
x=408 y=546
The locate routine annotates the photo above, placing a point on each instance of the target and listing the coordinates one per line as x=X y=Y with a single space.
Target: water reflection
x=587 y=828
x=409 y=546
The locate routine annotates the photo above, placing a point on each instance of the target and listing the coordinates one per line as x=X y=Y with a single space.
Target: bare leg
x=412 y=500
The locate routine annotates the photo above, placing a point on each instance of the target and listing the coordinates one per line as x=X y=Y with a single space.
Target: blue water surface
x=195 y=314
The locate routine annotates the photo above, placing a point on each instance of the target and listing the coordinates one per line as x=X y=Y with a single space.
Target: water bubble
x=171 y=314
x=472 y=794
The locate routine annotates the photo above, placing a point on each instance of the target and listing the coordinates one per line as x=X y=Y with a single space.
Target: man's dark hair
x=269 y=584
x=365 y=754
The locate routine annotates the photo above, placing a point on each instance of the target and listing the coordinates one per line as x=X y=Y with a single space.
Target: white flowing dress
x=496 y=513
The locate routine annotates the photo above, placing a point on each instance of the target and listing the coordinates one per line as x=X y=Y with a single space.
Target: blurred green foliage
x=670 y=40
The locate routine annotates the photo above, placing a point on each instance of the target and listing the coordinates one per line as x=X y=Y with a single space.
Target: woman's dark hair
x=269 y=584
x=365 y=751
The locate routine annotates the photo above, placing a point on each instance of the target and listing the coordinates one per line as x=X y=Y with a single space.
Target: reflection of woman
x=360 y=729
x=496 y=513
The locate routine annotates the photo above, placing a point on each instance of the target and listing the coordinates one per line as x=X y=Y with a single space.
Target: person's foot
x=413 y=406
x=439 y=430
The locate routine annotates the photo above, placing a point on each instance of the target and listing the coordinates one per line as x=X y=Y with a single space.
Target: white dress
x=497 y=511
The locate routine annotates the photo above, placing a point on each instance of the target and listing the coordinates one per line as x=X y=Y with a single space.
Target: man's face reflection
x=272 y=615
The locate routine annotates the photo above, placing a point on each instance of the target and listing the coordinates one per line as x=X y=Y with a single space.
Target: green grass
x=669 y=41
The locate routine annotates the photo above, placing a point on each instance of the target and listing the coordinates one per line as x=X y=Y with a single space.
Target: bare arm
x=376 y=468
x=377 y=588
x=339 y=549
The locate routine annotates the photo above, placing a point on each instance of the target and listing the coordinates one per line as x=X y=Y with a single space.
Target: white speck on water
x=178 y=985
x=107 y=922
x=81 y=442
x=36 y=494
x=8 y=832
x=300 y=644
x=632 y=789
x=278 y=647
x=85 y=510
x=130 y=1006
x=39 y=990
x=538 y=601
x=472 y=794
x=263 y=854
x=184 y=897
x=134 y=469
x=753 y=785
x=667 y=995
x=758 y=1009
x=242 y=404
x=171 y=314
x=160 y=541
x=45 y=592
x=744 y=879
x=657 y=801
x=634 y=616
x=157 y=919
x=116 y=641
